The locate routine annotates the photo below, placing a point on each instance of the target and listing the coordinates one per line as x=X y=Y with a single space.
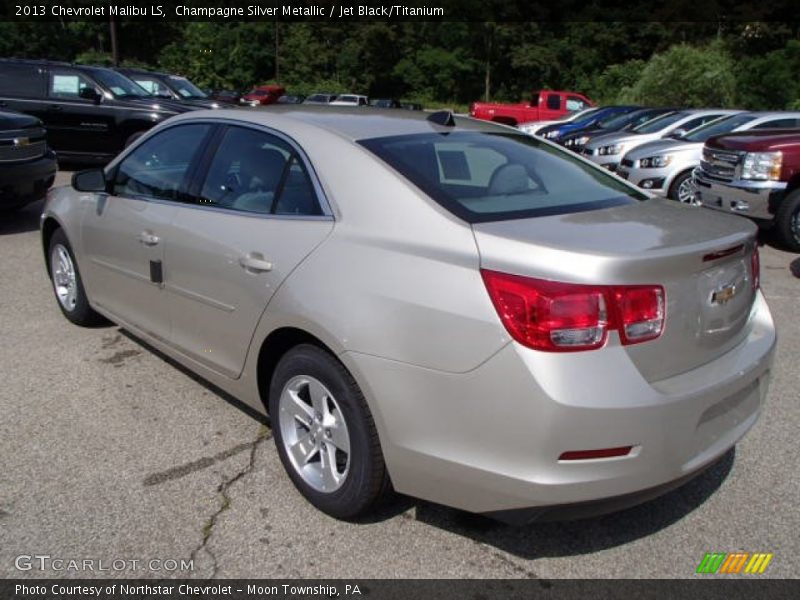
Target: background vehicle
x=576 y=140
x=170 y=87
x=567 y=289
x=755 y=174
x=555 y=131
x=607 y=149
x=320 y=99
x=290 y=99
x=90 y=113
x=543 y=105
x=411 y=105
x=263 y=94
x=27 y=166
x=534 y=127
x=225 y=96
x=350 y=100
x=384 y=103
x=665 y=166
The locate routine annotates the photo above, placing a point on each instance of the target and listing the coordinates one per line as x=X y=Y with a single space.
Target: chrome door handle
x=148 y=239
x=255 y=262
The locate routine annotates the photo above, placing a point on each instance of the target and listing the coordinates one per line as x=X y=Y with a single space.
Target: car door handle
x=148 y=239
x=255 y=262
x=54 y=107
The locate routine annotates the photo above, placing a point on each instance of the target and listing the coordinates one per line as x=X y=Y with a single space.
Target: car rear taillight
x=567 y=317
x=755 y=268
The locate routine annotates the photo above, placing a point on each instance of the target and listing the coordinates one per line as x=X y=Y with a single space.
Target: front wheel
x=682 y=189
x=787 y=221
x=325 y=434
x=68 y=285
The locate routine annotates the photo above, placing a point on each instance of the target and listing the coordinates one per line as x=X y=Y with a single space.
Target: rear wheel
x=682 y=189
x=67 y=283
x=787 y=221
x=325 y=434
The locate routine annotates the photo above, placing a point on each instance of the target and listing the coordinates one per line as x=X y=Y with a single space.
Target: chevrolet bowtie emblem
x=20 y=142
x=724 y=294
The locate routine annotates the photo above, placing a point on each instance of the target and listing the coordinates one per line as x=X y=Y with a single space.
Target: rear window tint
x=491 y=177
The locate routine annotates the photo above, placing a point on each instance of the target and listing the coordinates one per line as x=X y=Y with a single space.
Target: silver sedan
x=442 y=306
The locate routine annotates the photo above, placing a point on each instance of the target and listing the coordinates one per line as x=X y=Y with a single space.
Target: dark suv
x=27 y=165
x=170 y=87
x=91 y=113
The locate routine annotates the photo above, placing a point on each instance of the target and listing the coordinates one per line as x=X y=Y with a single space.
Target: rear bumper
x=25 y=182
x=489 y=440
x=755 y=199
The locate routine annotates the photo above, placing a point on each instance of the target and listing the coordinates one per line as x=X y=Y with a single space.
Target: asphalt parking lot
x=110 y=451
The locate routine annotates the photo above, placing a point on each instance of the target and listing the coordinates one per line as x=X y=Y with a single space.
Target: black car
x=170 y=87
x=576 y=140
x=27 y=165
x=384 y=103
x=90 y=113
x=290 y=99
x=411 y=105
x=225 y=96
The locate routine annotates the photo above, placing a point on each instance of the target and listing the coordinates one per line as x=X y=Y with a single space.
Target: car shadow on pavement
x=569 y=538
x=794 y=267
x=236 y=403
x=21 y=221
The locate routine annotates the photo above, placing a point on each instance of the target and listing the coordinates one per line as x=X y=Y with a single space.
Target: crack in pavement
x=225 y=500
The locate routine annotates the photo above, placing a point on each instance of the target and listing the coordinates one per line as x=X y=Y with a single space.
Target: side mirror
x=88 y=93
x=679 y=133
x=92 y=180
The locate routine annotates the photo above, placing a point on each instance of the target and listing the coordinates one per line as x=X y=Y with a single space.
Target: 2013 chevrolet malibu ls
x=434 y=304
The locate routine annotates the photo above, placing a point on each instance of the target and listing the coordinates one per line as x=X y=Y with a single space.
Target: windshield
x=659 y=123
x=718 y=127
x=499 y=176
x=615 y=122
x=185 y=88
x=119 y=85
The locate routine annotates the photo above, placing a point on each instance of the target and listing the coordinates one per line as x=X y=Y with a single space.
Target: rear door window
x=553 y=101
x=255 y=172
x=20 y=80
x=778 y=124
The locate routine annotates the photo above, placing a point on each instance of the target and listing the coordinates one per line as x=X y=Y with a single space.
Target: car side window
x=157 y=167
x=574 y=103
x=20 y=80
x=777 y=124
x=68 y=84
x=689 y=125
x=255 y=172
x=553 y=101
x=153 y=86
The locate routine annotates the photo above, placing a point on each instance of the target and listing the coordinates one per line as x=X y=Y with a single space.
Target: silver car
x=607 y=150
x=439 y=305
x=665 y=167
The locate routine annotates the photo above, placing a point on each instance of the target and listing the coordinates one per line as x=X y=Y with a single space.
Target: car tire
x=677 y=191
x=787 y=221
x=133 y=137
x=325 y=435
x=67 y=283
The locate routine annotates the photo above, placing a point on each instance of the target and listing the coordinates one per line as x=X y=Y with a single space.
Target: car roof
x=352 y=123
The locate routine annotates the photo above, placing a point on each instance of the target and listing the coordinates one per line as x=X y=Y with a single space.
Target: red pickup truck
x=757 y=175
x=544 y=105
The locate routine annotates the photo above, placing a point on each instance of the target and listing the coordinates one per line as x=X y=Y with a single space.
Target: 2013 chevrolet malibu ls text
x=438 y=305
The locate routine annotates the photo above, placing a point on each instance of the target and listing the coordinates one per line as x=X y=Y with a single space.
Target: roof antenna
x=442 y=117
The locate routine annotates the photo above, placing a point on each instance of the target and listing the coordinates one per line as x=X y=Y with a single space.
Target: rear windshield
x=498 y=176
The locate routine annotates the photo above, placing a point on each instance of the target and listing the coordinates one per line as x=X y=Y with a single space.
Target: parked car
x=555 y=131
x=665 y=167
x=411 y=105
x=225 y=96
x=262 y=95
x=320 y=99
x=534 y=127
x=350 y=100
x=543 y=105
x=510 y=330
x=755 y=174
x=384 y=103
x=27 y=166
x=170 y=87
x=90 y=113
x=576 y=140
x=607 y=149
x=290 y=99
